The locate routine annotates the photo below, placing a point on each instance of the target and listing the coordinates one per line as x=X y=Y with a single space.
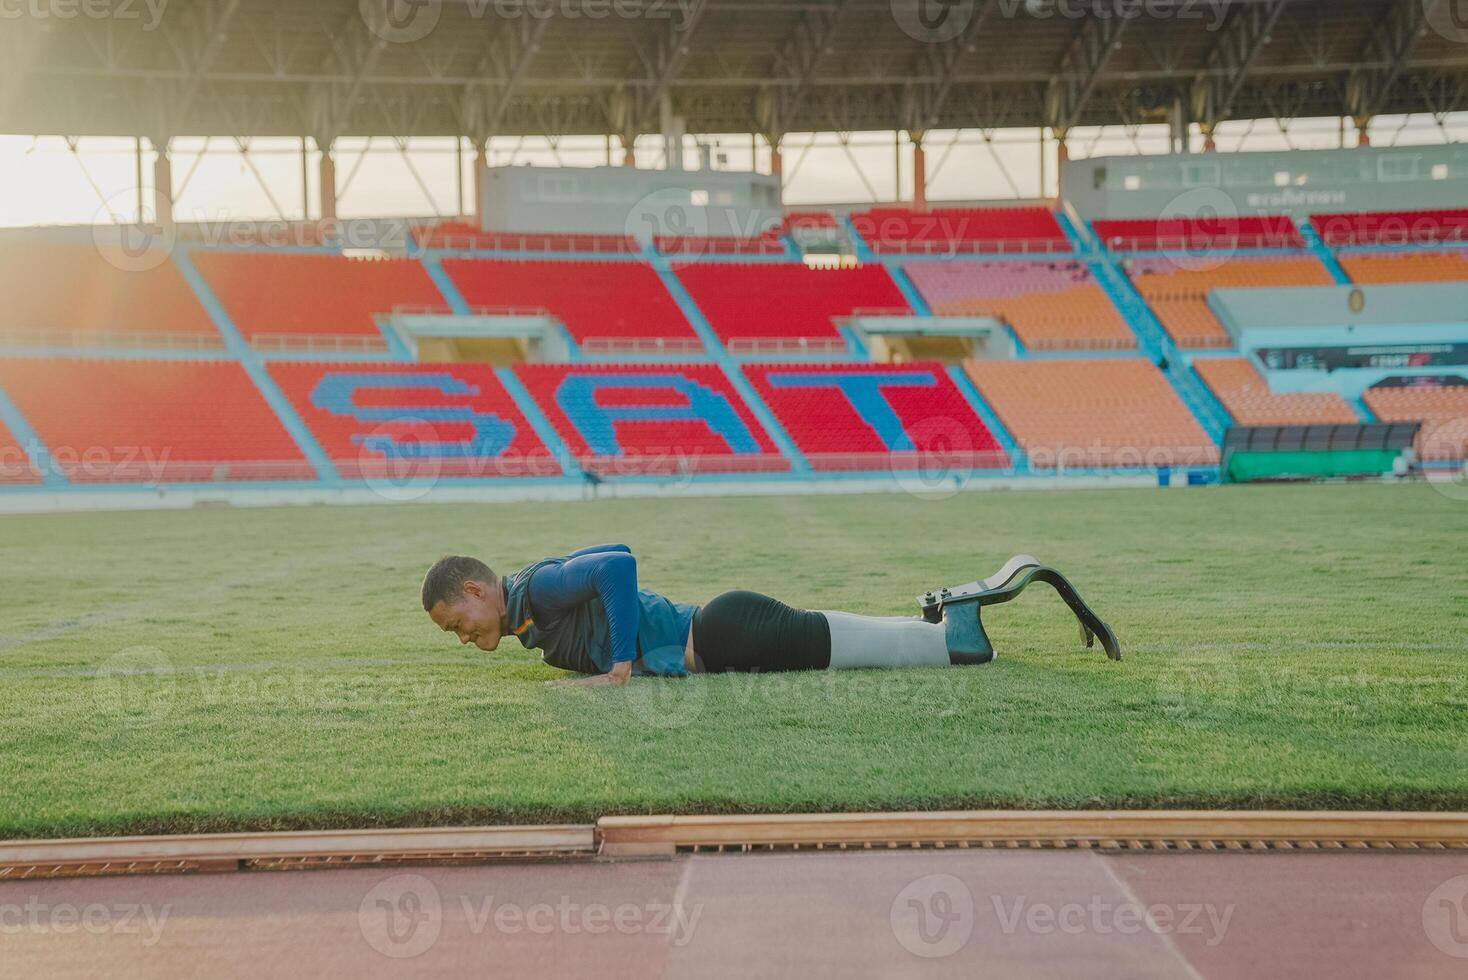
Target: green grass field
x=1298 y=646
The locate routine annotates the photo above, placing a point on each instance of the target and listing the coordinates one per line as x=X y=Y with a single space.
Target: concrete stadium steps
x=1407 y=265
x=1246 y=395
x=69 y=294
x=1176 y=288
x=1052 y=304
x=1443 y=412
x=1103 y=412
x=639 y=419
x=16 y=466
x=275 y=296
x=594 y=299
x=403 y=420
x=875 y=416
x=752 y=300
x=121 y=421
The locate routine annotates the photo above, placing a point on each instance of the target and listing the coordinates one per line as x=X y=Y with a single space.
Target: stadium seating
x=403 y=420
x=875 y=416
x=114 y=421
x=1093 y=413
x=1442 y=410
x=464 y=236
x=1052 y=304
x=768 y=243
x=15 y=465
x=1393 y=227
x=1246 y=395
x=1197 y=234
x=596 y=300
x=953 y=230
x=309 y=301
x=1436 y=265
x=748 y=304
x=636 y=419
x=1177 y=290
x=65 y=294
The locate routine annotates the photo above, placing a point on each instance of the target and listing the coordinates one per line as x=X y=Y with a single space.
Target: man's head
x=462 y=596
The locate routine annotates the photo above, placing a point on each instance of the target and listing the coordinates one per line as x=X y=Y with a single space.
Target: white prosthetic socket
x=872 y=641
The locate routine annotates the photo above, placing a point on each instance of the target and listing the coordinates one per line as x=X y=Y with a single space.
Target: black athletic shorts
x=746 y=631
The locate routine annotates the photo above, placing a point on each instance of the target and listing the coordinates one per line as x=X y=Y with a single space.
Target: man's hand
x=621 y=673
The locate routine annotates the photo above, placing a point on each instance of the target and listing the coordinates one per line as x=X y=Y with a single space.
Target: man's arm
x=610 y=576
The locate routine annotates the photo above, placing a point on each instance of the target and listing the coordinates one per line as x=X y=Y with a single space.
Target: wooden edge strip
x=397 y=844
x=662 y=834
x=1161 y=830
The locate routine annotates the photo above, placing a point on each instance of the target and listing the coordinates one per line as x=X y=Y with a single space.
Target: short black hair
x=445 y=580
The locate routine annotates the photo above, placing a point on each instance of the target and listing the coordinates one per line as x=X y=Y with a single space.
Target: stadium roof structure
x=480 y=68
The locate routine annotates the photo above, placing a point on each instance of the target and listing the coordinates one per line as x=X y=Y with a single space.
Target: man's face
x=475 y=617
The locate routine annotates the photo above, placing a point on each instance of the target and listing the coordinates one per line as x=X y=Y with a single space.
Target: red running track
x=948 y=913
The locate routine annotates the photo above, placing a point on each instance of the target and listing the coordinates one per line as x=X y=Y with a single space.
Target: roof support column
x=162 y=183
x=327 y=190
x=919 y=170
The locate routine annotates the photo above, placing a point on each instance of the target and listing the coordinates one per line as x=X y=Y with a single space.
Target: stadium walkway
x=927 y=913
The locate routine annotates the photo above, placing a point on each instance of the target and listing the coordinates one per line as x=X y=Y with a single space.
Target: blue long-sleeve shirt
x=607 y=572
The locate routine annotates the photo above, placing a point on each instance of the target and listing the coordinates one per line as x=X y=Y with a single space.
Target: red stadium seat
x=295 y=300
x=946 y=230
x=634 y=419
x=1198 y=234
x=876 y=416
x=595 y=300
x=467 y=237
x=451 y=420
x=68 y=294
x=771 y=300
x=1393 y=227
x=116 y=421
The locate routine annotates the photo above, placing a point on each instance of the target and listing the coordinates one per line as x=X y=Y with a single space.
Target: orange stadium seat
x=143 y=421
x=69 y=294
x=1246 y=395
x=1435 y=265
x=1443 y=412
x=1103 y=412
x=470 y=237
x=1051 y=304
x=1178 y=294
x=290 y=299
x=596 y=300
